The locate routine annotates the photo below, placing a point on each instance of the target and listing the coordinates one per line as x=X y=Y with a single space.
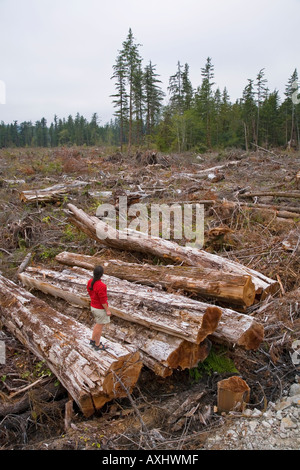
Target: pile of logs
x=64 y=344
x=232 y=289
x=166 y=249
x=154 y=323
x=171 y=330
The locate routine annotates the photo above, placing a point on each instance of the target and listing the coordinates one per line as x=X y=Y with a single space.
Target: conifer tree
x=187 y=89
x=269 y=120
x=261 y=93
x=132 y=62
x=249 y=111
x=181 y=97
x=153 y=97
x=120 y=98
x=291 y=111
x=175 y=90
x=204 y=98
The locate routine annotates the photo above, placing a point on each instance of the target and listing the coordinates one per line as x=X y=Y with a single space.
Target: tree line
x=185 y=118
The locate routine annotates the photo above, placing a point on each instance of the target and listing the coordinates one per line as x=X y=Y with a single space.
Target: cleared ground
x=265 y=238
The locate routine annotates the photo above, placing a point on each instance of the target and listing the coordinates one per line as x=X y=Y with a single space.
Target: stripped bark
x=106 y=235
x=64 y=344
x=230 y=288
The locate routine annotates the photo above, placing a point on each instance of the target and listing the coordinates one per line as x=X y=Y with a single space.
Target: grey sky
x=57 y=55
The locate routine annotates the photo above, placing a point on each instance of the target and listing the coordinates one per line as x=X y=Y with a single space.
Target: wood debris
x=52 y=193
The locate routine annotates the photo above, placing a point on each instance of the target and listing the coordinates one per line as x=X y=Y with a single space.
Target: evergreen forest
x=186 y=118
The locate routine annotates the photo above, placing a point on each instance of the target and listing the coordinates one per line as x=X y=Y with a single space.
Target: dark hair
x=98 y=272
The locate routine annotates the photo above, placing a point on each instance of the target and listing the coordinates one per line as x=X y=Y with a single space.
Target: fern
x=216 y=361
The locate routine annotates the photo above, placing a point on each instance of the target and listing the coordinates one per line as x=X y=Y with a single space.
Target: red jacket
x=98 y=295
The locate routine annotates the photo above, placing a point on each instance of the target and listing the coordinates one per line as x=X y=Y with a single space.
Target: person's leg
x=97 y=332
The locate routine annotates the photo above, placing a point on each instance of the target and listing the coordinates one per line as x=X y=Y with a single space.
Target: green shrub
x=216 y=361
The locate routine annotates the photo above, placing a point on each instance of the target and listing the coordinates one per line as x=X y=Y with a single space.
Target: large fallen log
x=230 y=288
x=107 y=235
x=160 y=352
x=51 y=193
x=171 y=314
x=91 y=378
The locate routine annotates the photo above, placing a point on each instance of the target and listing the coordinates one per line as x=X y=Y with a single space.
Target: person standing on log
x=99 y=306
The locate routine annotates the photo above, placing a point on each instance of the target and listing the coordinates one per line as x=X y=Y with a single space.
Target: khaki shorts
x=100 y=316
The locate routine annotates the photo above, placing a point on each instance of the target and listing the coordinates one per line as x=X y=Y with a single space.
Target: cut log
x=273 y=217
x=230 y=288
x=233 y=394
x=269 y=212
x=52 y=193
x=89 y=376
x=273 y=207
x=266 y=210
x=160 y=352
x=283 y=194
x=106 y=235
x=238 y=329
x=207 y=171
x=171 y=314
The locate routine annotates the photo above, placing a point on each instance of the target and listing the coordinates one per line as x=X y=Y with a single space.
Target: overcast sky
x=57 y=55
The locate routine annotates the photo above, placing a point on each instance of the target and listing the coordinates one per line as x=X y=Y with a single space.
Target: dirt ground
x=263 y=239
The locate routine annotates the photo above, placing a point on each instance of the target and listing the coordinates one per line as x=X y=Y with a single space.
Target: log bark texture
x=229 y=288
x=160 y=352
x=106 y=235
x=89 y=376
x=171 y=314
